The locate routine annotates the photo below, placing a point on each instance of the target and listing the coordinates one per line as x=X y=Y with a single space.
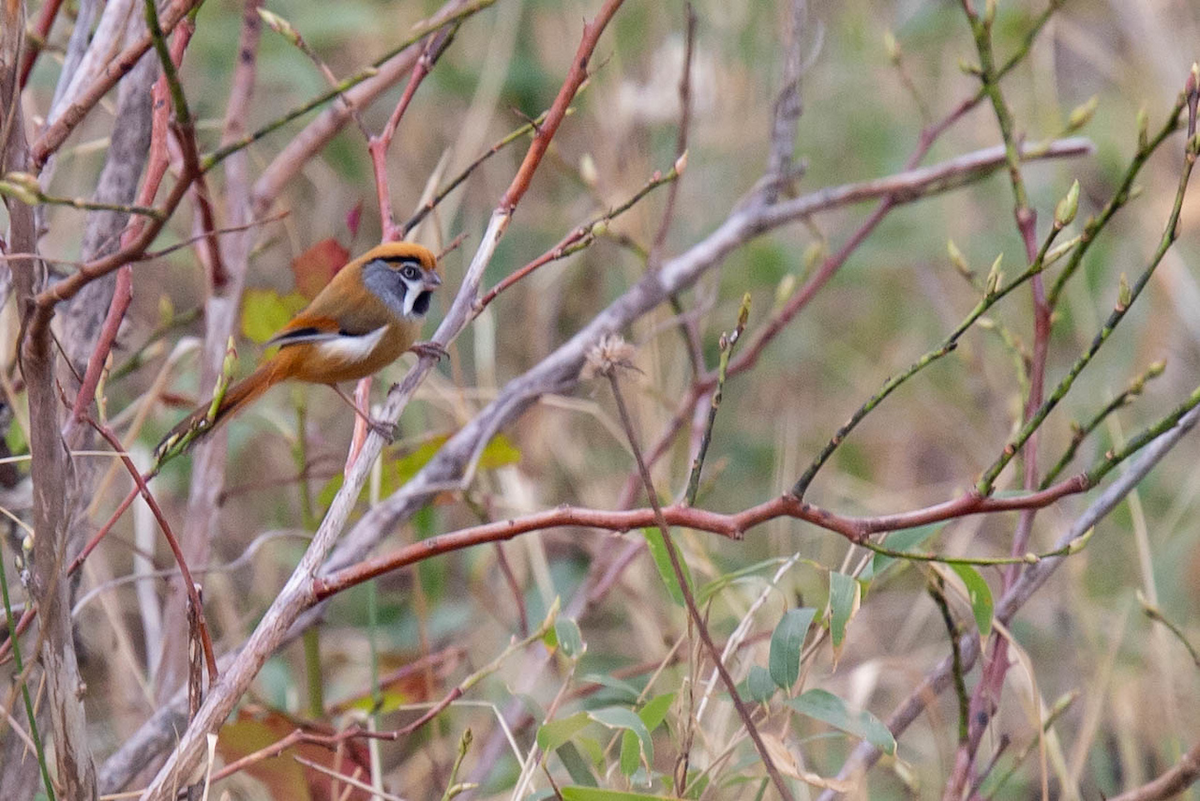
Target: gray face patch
x=400 y=287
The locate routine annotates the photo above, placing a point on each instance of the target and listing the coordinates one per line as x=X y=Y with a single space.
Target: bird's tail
x=199 y=424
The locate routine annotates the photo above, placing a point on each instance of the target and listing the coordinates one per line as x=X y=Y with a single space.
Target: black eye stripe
x=402 y=261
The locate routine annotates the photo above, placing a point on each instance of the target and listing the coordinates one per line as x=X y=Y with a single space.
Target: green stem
x=1113 y=458
x=183 y=115
x=219 y=155
x=728 y=341
x=1083 y=431
x=987 y=481
x=1118 y=200
x=20 y=669
x=990 y=298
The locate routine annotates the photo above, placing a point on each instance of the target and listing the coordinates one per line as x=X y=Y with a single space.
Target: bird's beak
x=432 y=281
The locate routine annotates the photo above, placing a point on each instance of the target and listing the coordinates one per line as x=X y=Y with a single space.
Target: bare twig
x=1011 y=602
x=781 y=786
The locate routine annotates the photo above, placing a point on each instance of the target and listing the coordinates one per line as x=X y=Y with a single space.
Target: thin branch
x=781 y=786
x=855 y=529
x=54 y=135
x=297 y=595
x=168 y=534
x=41 y=29
x=580 y=237
x=378 y=145
x=937 y=680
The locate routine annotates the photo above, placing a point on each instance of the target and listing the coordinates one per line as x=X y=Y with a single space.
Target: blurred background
x=896 y=298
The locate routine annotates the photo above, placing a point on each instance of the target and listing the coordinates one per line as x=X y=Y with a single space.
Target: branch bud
x=1060 y=250
x=1079 y=543
x=1064 y=212
x=22 y=186
x=1124 y=294
x=280 y=25
x=958 y=260
x=587 y=170
x=994 y=278
x=785 y=288
x=1143 y=128
x=681 y=163
x=1082 y=114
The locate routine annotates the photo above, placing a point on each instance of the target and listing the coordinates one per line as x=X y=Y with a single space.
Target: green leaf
x=265 y=312
x=980 y=595
x=618 y=717
x=499 y=452
x=662 y=560
x=759 y=685
x=575 y=764
x=570 y=639
x=553 y=734
x=904 y=540
x=574 y=793
x=629 y=753
x=844 y=595
x=592 y=749
x=623 y=688
x=828 y=708
x=786 y=643
x=724 y=580
x=655 y=710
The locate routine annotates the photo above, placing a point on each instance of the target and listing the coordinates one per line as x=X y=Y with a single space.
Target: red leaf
x=316 y=266
x=256 y=727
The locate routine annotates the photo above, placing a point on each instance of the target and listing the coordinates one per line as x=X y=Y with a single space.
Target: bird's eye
x=411 y=273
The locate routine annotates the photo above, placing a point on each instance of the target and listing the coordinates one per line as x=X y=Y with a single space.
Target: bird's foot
x=389 y=431
x=429 y=348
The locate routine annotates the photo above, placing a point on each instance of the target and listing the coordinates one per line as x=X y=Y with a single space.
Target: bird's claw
x=432 y=349
x=383 y=428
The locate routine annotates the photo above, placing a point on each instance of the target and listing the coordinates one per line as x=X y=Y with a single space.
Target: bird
x=361 y=321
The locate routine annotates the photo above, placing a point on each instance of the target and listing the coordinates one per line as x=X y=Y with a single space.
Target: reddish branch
x=45 y=301
x=189 y=583
x=733 y=526
x=575 y=78
x=53 y=137
x=297 y=595
x=33 y=47
x=378 y=145
x=123 y=291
